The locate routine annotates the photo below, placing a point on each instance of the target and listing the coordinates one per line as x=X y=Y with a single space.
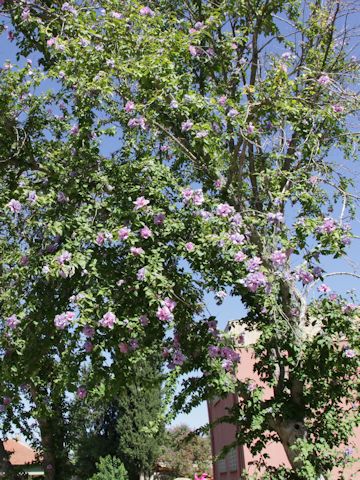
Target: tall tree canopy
x=218 y=177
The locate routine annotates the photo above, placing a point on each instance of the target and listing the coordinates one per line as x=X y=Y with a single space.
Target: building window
x=232 y=460
x=221 y=465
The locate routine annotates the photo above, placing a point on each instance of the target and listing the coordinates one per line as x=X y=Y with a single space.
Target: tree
x=186 y=453
x=110 y=468
x=219 y=179
x=127 y=426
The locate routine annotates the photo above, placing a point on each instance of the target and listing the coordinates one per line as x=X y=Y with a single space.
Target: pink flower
x=239 y=257
x=164 y=314
x=146 y=11
x=100 y=239
x=145 y=232
x=255 y=280
x=222 y=100
x=140 y=202
x=12 y=322
x=170 y=303
x=137 y=122
x=108 y=320
x=123 y=347
x=25 y=15
x=323 y=80
x=137 y=251
x=129 y=106
x=278 y=258
x=81 y=393
x=193 y=51
x=124 y=233
x=116 y=15
x=14 y=206
x=189 y=246
x=323 y=288
x=198 y=197
x=74 y=130
x=224 y=210
x=51 y=41
x=63 y=320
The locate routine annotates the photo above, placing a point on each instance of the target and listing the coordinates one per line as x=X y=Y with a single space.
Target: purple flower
x=323 y=288
x=233 y=113
x=338 y=108
x=250 y=128
x=25 y=15
x=61 y=197
x=88 y=331
x=305 y=276
x=202 y=134
x=32 y=197
x=12 y=322
x=348 y=352
x=145 y=232
x=178 y=358
x=88 y=346
x=214 y=351
x=81 y=393
x=45 y=269
x=198 y=197
x=116 y=15
x=253 y=264
x=250 y=387
x=174 y=104
x=141 y=274
x=129 y=106
x=140 y=202
x=278 y=258
x=24 y=261
x=275 y=218
x=218 y=184
x=227 y=365
x=237 y=238
x=222 y=100
x=221 y=295
x=108 y=320
x=64 y=257
x=189 y=246
x=348 y=452
x=253 y=281
x=224 y=210
x=186 y=126
x=345 y=240
x=323 y=80
x=144 y=320
x=124 y=233
x=164 y=314
x=239 y=257
x=63 y=320
x=328 y=226
x=137 y=122
x=237 y=219
x=146 y=11
x=137 y=251
x=14 y=206
x=74 y=130
x=159 y=218
x=133 y=344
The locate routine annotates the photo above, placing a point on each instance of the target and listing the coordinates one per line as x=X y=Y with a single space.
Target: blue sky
x=232 y=307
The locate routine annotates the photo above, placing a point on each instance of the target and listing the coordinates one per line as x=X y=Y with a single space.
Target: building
x=24 y=458
x=239 y=459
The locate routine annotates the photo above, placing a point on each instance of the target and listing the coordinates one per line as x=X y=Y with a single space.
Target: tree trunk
x=47 y=440
x=289 y=432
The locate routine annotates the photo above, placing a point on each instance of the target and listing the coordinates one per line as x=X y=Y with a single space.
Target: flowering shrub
x=218 y=180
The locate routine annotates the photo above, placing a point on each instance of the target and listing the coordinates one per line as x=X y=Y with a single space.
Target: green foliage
x=110 y=468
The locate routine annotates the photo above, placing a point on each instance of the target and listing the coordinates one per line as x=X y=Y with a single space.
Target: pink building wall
x=240 y=459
